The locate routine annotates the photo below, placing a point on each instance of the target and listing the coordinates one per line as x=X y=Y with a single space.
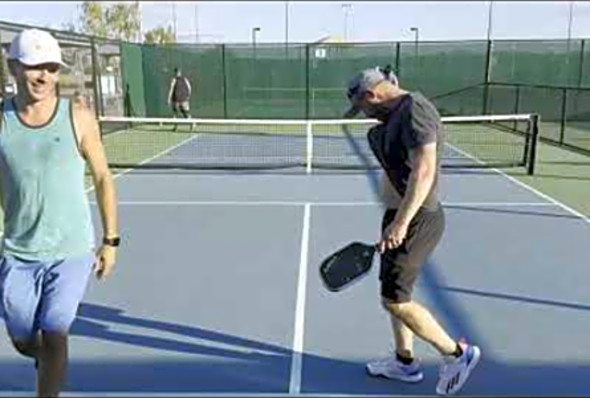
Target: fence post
x=98 y=111
x=397 y=52
x=224 y=80
x=487 y=77
x=517 y=101
x=581 y=69
x=307 y=82
x=2 y=72
x=563 y=115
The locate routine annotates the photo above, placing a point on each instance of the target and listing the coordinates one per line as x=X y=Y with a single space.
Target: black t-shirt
x=180 y=92
x=414 y=121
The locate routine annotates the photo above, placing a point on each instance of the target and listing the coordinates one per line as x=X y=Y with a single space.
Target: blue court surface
x=217 y=293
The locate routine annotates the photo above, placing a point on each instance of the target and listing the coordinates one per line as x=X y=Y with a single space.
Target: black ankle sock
x=458 y=351
x=404 y=360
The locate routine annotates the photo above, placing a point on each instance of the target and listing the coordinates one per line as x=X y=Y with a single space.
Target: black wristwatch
x=114 y=242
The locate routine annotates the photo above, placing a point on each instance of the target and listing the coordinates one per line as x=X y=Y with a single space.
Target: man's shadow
x=223 y=363
x=208 y=361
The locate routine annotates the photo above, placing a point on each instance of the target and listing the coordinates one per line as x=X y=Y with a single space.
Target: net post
x=534 y=137
x=309 y=146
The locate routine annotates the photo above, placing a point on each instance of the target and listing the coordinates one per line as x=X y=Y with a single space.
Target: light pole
x=139 y=36
x=347 y=7
x=196 y=23
x=174 y=19
x=254 y=31
x=569 y=25
x=490 y=20
x=286 y=23
x=416 y=33
x=569 y=38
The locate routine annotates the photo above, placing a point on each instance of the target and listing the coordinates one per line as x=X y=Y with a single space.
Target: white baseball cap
x=35 y=47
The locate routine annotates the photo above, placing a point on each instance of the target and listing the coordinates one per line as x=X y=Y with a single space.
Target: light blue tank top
x=46 y=211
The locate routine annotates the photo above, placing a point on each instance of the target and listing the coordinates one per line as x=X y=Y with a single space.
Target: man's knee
x=396 y=308
x=28 y=348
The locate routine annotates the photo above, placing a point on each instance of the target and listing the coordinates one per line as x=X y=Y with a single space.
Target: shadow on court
x=260 y=367
x=224 y=363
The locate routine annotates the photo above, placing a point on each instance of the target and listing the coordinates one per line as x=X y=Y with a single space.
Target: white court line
x=527 y=187
x=315 y=204
x=297 y=359
x=164 y=152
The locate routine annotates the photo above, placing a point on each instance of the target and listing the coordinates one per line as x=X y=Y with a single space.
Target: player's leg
x=176 y=113
x=424 y=233
x=399 y=270
x=20 y=283
x=401 y=365
x=403 y=338
x=185 y=109
x=64 y=287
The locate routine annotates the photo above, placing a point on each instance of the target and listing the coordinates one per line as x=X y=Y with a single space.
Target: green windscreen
x=266 y=81
x=547 y=62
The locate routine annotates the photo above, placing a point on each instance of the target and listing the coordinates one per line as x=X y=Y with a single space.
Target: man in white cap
x=408 y=144
x=48 y=248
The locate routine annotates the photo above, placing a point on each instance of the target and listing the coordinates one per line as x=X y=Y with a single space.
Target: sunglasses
x=50 y=67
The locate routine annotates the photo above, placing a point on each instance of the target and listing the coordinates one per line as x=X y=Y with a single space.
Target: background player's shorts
x=42 y=295
x=181 y=106
x=401 y=266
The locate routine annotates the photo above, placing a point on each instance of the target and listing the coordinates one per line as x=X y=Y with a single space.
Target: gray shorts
x=42 y=295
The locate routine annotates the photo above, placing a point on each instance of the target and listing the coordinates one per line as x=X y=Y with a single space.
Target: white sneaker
x=391 y=368
x=454 y=372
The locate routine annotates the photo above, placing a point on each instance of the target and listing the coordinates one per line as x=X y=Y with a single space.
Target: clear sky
x=361 y=21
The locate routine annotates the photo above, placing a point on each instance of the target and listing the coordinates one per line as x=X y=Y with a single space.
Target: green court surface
x=561 y=174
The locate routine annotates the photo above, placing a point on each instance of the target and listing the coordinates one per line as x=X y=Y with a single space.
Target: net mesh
x=330 y=144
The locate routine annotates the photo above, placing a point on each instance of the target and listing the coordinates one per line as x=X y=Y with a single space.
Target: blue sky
x=310 y=21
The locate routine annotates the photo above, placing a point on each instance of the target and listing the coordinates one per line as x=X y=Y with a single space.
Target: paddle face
x=346 y=265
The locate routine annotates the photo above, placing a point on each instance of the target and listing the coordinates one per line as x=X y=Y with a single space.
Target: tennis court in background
x=217 y=291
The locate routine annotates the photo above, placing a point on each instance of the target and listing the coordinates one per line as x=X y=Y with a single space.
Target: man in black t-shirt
x=408 y=143
x=179 y=94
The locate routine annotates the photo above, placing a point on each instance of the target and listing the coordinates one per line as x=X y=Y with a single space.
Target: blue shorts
x=42 y=295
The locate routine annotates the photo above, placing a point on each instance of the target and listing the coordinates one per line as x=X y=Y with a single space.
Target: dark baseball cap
x=362 y=82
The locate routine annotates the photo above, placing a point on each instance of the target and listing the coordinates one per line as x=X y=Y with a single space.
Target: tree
x=160 y=35
x=93 y=20
x=123 y=20
x=118 y=21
